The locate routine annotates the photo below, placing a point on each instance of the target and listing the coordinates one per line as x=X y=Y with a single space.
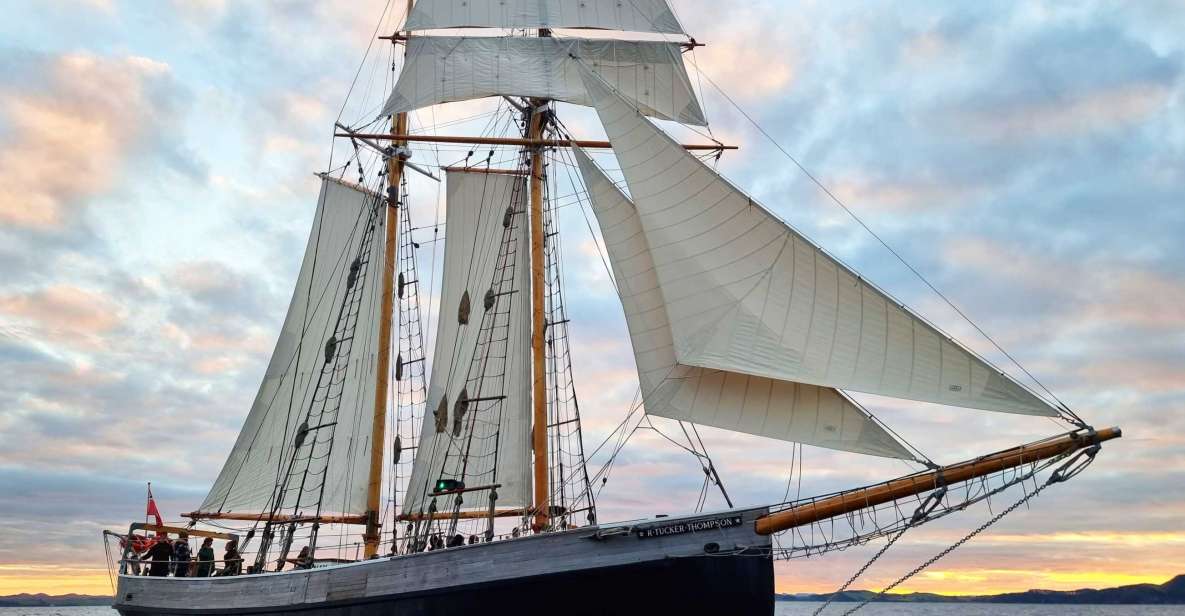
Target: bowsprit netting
x=893 y=518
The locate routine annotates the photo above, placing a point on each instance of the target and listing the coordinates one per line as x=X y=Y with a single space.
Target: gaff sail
x=261 y=454
x=746 y=293
x=442 y=69
x=491 y=443
x=633 y=16
x=724 y=399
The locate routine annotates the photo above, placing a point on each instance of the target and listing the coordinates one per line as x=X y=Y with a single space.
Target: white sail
x=442 y=69
x=496 y=447
x=631 y=15
x=746 y=293
x=724 y=399
x=262 y=453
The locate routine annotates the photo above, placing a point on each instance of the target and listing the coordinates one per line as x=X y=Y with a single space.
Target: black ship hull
x=735 y=584
x=680 y=566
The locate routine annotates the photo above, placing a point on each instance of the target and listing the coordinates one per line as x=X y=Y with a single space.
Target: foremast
x=372 y=535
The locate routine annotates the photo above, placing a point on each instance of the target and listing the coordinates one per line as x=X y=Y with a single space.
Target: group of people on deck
x=165 y=557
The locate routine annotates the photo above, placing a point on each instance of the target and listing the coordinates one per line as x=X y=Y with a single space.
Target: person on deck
x=181 y=556
x=233 y=562
x=303 y=559
x=159 y=556
x=135 y=552
x=206 y=558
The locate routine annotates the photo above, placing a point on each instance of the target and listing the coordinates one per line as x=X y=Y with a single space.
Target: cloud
x=1110 y=110
x=1094 y=294
x=72 y=128
x=64 y=312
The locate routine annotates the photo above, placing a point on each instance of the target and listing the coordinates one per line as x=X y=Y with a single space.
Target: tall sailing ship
x=460 y=476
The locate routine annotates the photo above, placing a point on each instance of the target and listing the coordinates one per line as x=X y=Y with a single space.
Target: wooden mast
x=538 y=324
x=862 y=498
x=378 y=426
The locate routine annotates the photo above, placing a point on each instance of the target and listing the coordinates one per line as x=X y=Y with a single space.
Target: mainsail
x=486 y=358
x=746 y=293
x=263 y=452
x=631 y=15
x=724 y=399
x=441 y=69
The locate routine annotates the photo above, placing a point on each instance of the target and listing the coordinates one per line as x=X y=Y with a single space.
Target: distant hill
x=44 y=600
x=1171 y=592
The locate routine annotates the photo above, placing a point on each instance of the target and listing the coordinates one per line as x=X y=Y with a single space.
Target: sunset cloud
x=68 y=138
x=63 y=311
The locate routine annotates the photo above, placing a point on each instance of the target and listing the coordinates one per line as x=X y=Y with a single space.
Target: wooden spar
x=488 y=171
x=538 y=325
x=461 y=515
x=177 y=530
x=278 y=518
x=378 y=426
x=862 y=498
x=399 y=37
x=514 y=141
x=348 y=184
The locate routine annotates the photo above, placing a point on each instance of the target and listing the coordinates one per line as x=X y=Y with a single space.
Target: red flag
x=152 y=510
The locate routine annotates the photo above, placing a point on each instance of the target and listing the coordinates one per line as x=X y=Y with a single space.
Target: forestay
x=630 y=15
x=494 y=445
x=442 y=69
x=746 y=293
x=725 y=399
x=263 y=450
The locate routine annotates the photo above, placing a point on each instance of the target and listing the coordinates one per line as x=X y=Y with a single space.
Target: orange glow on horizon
x=54 y=580
x=17 y=579
x=962 y=582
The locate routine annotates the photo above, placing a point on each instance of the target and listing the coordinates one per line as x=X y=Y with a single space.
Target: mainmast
x=538 y=322
x=378 y=430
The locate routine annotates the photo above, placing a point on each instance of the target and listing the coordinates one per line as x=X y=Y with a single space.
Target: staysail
x=633 y=16
x=486 y=441
x=442 y=69
x=262 y=453
x=724 y=399
x=746 y=293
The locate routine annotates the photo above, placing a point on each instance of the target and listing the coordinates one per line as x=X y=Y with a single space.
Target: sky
x=156 y=191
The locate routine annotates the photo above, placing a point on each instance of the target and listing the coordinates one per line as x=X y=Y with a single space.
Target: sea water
x=805 y=609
